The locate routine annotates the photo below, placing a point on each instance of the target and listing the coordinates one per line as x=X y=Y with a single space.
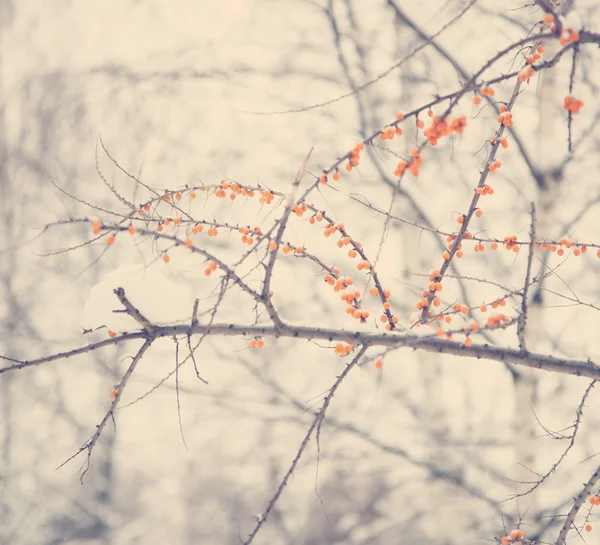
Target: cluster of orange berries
x=167 y=222
x=257 y=342
x=390 y=132
x=506 y=119
x=572 y=104
x=485 y=190
x=316 y=217
x=495 y=166
x=481 y=248
x=355 y=312
x=568 y=35
x=416 y=160
x=343 y=349
x=288 y=248
x=440 y=128
x=146 y=207
x=532 y=59
x=494 y=305
x=299 y=209
x=514 y=536
x=266 y=197
x=351 y=298
x=392 y=320
x=503 y=141
x=338 y=283
x=323 y=179
x=549 y=21
x=354 y=158
x=210 y=269
x=435 y=285
x=496 y=319
x=526 y=73
x=247 y=234
x=221 y=192
x=509 y=243
x=331 y=228
x=459 y=308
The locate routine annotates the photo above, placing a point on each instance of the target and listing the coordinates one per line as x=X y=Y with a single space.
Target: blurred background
x=429 y=449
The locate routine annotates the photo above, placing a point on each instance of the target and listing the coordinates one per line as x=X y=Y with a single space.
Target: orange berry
x=110 y=239
x=479 y=212
x=166 y=258
x=112 y=334
x=131 y=229
x=476 y=100
x=588 y=527
x=468 y=341
x=378 y=364
x=188 y=242
x=272 y=245
x=113 y=394
x=96 y=227
x=505 y=540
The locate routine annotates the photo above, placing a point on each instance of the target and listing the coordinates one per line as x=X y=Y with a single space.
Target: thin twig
x=316 y=424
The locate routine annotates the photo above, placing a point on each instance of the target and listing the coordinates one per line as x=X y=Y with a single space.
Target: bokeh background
x=187 y=93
